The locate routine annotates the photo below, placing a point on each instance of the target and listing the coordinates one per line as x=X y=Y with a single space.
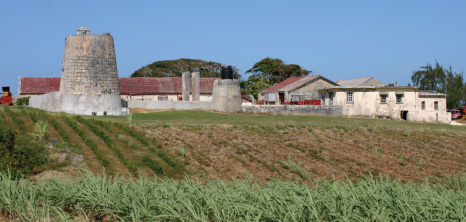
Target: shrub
x=23 y=101
x=40 y=129
x=7 y=139
x=28 y=155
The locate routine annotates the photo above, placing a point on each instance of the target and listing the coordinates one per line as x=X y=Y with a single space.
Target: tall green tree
x=429 y=78
x=268 y=72
x=276 y=70
x=455 y=88
x=442 y=80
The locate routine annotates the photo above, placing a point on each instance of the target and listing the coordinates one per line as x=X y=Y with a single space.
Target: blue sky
x=336 y=39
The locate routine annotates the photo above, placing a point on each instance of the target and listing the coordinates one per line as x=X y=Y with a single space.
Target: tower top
x=83 y=31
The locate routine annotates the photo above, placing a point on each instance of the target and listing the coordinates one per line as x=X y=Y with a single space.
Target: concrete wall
x=170 y=105
x=78 y=103
x=226 y=96
x=293 y=109
x=171 y=97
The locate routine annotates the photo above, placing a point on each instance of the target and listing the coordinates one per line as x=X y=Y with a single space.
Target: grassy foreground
x=90 y=197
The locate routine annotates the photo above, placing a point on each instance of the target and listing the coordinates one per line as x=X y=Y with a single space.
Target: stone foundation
x=294 y=109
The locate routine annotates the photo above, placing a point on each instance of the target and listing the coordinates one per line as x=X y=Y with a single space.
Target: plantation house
x=147 y=88
x=394 y=102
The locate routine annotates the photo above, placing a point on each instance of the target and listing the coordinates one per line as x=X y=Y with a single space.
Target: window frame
x=383 y=98
x=349 y=97
x=162 y=98
x=435 y=105
x=399 y=98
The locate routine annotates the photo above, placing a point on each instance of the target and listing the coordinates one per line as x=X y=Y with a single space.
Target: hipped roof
x=292 y=83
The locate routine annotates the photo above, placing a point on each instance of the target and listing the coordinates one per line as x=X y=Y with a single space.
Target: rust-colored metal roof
x=165 y=85
x=128 y=85
x=292 y=83
x=31 y=85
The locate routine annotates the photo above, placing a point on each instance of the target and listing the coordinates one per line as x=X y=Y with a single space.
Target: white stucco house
x=394 y=102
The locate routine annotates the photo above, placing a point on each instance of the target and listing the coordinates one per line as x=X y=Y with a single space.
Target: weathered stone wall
x=294 y=109
x=310 y=90
x=89 y=65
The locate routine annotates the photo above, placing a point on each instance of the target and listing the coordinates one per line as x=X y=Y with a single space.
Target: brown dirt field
x=228 y=152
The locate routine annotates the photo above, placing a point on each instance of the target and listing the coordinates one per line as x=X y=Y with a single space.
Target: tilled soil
x=232 y=152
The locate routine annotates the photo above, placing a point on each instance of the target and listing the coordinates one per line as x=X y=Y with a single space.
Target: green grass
x=277 y=121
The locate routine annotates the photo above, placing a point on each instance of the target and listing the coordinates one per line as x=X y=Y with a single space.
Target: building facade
x=393 y=102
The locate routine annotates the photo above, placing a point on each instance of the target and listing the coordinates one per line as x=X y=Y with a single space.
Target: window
x=163 y=98
x=383 y=98
x=436 y=105
x=423 y=105
x=330 y=96
x=349 y=97
x=399 y=98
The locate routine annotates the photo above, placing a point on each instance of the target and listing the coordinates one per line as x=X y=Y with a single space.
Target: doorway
x=404 y=114
x=281 y=96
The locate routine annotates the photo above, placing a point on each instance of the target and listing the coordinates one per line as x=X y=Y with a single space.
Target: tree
x=175 y=68
x=254 y=85
x=276 y=70
x=268 y=72
x=442 y=81
x=455 y=88
x=430 y=78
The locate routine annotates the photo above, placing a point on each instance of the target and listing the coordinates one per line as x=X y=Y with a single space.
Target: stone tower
x=89 y=80
x=89 y=64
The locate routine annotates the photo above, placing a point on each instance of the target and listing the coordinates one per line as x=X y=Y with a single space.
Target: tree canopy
x=442 y=80
x=276 y=70
x=175 y=68
x=268 y=72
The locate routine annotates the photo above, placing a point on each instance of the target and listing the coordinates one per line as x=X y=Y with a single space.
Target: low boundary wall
x=170 y=105
x=294 y=109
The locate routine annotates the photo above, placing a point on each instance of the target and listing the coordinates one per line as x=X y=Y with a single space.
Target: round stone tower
x=89 y=64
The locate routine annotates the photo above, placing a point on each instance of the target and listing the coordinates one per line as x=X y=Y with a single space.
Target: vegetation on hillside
x=174 y=68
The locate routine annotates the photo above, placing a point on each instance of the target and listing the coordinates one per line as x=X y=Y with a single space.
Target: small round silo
x=89 y=64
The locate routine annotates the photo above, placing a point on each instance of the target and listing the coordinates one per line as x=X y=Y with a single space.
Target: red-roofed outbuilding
x=306 y=86
x=134 y=88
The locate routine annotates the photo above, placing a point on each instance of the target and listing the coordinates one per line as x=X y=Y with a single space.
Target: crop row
x=14 y=117
x=89 y=143
x=147 y=161
x=108 y=141
x=133 y=134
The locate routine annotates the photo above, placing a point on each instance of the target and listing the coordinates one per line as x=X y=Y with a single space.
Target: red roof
x=166 y=85
x=39 y=85
x=128 y=85
x=292 y=83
